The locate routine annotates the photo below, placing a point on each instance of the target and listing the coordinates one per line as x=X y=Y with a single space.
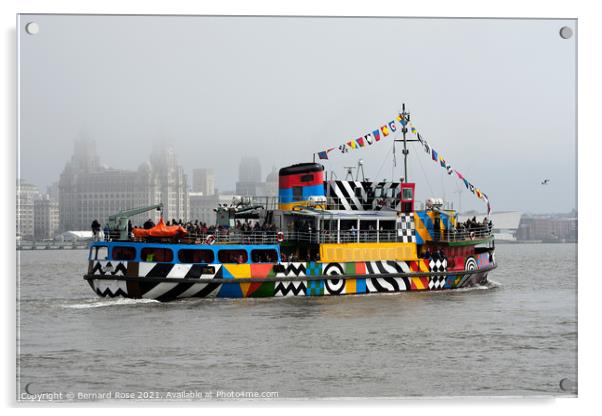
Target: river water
x=517 y=336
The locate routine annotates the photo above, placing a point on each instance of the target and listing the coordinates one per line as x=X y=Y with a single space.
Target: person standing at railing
x=107 y=232
x=95 y=230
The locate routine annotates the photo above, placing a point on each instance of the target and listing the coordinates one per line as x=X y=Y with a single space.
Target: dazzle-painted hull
x=166 y=282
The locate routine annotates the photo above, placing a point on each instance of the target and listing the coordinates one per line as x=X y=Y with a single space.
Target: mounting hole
x=32 y=28
x=567 y=385
x=566 y=32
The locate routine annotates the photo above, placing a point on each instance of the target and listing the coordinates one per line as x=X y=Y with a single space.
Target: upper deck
x=320 y=227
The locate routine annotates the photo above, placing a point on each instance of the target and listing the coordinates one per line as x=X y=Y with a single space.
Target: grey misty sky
x=495 y=97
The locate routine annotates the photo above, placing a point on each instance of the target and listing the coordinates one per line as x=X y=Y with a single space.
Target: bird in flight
x=545 y=182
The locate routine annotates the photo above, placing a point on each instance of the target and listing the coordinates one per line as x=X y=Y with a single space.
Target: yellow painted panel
x=239 y=270
x=335 y=253
x=421 y=228
x=350 y=286
x=289 y=206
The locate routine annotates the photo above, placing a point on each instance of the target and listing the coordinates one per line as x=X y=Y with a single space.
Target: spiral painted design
x=470 y=264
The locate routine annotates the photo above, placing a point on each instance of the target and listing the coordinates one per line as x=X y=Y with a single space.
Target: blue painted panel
x=230 y=290
x=360 y=285
x=285 y=195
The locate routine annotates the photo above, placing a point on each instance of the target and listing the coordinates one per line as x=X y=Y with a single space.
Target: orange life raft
x=160 y=230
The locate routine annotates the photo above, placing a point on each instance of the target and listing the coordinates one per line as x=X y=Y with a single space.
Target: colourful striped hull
x=166 y=282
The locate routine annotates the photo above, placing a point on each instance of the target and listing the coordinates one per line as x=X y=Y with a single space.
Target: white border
x=589 y=92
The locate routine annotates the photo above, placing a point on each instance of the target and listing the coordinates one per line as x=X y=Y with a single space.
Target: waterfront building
x=203 y=181
x=46 y=218
x=27 y=193
x=249 y=177
x=202 y=207
x=88 y=190
x=53 y=191
x=550 y=229
x=173 y=185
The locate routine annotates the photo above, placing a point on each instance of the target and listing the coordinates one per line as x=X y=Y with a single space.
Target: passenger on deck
x=95 y=230
x=148 y=224
x=427 y=254
x=107 y=232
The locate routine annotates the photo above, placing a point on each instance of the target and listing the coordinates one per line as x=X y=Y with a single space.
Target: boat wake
x=110 y=302
x=491 y=284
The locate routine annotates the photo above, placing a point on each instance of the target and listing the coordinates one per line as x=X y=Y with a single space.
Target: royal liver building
x=89 y=190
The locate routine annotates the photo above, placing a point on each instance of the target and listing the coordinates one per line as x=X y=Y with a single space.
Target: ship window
x=307 y=178
x=297 y=193
x=195 y=256
x=387 y=225
x=99 y=253
x=407 y=193
x=156 y=254
x=264 y=256
x=123 y=253
x=233 y=256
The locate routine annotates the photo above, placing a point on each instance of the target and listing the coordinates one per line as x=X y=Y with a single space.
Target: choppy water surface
x=516 y=337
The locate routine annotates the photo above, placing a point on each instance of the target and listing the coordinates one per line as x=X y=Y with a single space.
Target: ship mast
x=404 y=131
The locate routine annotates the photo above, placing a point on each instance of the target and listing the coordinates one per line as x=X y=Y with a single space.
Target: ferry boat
x=320 y=237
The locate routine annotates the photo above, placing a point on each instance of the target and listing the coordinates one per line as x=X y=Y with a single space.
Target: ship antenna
x=349 y=175
x=405 y=116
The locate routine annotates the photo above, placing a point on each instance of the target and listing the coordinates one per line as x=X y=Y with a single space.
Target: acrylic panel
x=399 y=192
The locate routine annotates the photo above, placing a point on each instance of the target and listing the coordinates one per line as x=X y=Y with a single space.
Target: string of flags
x=387 y=129
x=368 y=139
x=438 y=158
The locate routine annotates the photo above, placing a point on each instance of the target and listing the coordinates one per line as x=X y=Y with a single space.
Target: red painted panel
x=455 y=263
x=261 y=270
x=288 y=181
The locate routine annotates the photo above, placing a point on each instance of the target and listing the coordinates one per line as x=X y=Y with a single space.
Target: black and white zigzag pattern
x=292 y=269
x=364 y=196
x=406 y=228
x=296 y=288
x=387 y=283
x=114 y=268
x=110 y=288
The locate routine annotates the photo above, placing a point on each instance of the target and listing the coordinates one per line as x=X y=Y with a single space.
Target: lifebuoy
x=280 y=236
x=210 y=239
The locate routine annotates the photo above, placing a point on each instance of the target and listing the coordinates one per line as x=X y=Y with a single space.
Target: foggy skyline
x=495 y=97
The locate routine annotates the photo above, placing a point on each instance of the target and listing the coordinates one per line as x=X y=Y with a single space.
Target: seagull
x=545 y=182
